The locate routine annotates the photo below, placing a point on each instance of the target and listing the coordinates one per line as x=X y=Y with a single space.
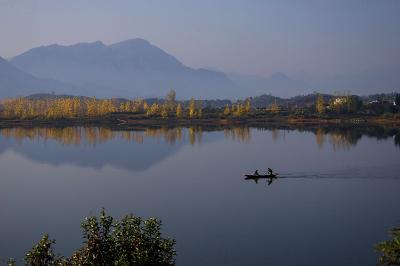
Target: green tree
x=397 y=100
x=171 y=96
x=138 y=242
x=11 y=262
x=130 y=241
x=390 y=250
x=353 y=103
x=42 y=253
x=170 y=100
x=199 y=112
x=98 y=246
x=199 y=109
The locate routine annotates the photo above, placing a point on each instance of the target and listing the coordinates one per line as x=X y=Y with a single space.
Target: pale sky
x=311 y=37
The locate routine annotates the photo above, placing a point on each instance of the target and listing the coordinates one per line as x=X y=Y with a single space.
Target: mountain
x=136 y=68
x=278 y=84
x=126 y=69
x=14 y=82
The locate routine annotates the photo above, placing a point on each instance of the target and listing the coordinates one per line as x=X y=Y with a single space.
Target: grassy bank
x=124 y=120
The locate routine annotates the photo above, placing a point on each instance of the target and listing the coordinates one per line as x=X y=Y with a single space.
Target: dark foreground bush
x=390 y=250
x=130 y=241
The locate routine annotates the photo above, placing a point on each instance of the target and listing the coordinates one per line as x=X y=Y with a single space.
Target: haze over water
x=331 y=208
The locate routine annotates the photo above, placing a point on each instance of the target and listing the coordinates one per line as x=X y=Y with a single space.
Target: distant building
x=340 y=101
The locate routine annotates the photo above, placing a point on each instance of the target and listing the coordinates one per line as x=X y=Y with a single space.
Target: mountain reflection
x=339 y=138
x=98 y=135
x=94 y=146
x=97 y=146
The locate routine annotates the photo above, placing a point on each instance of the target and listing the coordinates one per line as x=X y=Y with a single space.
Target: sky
x=308 y=38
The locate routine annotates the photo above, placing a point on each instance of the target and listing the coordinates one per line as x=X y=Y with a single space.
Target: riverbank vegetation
x=316 y=107
x=390 y=250
x=129 y=241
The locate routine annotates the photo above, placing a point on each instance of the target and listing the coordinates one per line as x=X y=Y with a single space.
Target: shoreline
x=126 y=121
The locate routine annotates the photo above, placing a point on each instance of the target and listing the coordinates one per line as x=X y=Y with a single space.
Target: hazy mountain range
x=135 y=68
x=14 y=82
x=125 y=69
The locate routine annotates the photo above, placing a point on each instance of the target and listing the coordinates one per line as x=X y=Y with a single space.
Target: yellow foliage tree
x=91 y=107
x=199 y=112
x=320 y=105
x=239 y=109
x=192 y=108
x=247 y=107
x=227 y=110
x=164 y=111
x=145 y=106
x=154 y=109
x=274 y=108
x=179 y=110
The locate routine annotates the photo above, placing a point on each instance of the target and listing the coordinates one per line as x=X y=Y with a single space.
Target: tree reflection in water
x=340 y=138
x=241 y=134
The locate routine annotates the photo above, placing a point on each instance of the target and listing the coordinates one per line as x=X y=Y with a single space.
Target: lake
x=340 y=195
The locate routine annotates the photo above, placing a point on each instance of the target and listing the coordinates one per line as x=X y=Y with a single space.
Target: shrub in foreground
x=130 y=241
x=390 y=250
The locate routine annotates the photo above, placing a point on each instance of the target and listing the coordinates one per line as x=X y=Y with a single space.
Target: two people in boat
x=270 y=172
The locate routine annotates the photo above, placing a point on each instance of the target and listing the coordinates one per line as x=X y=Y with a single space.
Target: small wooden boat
x=260 y=176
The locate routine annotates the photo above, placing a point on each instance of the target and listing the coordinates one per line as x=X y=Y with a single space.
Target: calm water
x=341 y=196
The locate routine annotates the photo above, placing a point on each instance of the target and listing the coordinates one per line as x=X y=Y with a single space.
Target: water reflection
x=397 y=140
x=241 y=134
x=340 y=138
x=268 y=180
x=94 y=135
x=144 y=149
x=94 y=146
x=334 y=181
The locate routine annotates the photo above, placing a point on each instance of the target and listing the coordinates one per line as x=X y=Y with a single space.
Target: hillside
x=125 y=69
x=14 y=82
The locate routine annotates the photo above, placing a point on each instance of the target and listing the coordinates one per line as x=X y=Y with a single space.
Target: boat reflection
x=269 y=179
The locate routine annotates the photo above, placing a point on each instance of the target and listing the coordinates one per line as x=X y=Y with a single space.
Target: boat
x=261 y=176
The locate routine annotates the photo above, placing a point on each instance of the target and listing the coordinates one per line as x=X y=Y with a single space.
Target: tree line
x=91 y=107
x=77 y=107
x=51 y=108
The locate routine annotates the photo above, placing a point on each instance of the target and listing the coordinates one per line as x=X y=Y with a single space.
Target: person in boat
x=256 y=172
x=270 y=172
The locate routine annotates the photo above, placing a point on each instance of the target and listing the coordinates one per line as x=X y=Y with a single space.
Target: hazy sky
x=312 y=38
